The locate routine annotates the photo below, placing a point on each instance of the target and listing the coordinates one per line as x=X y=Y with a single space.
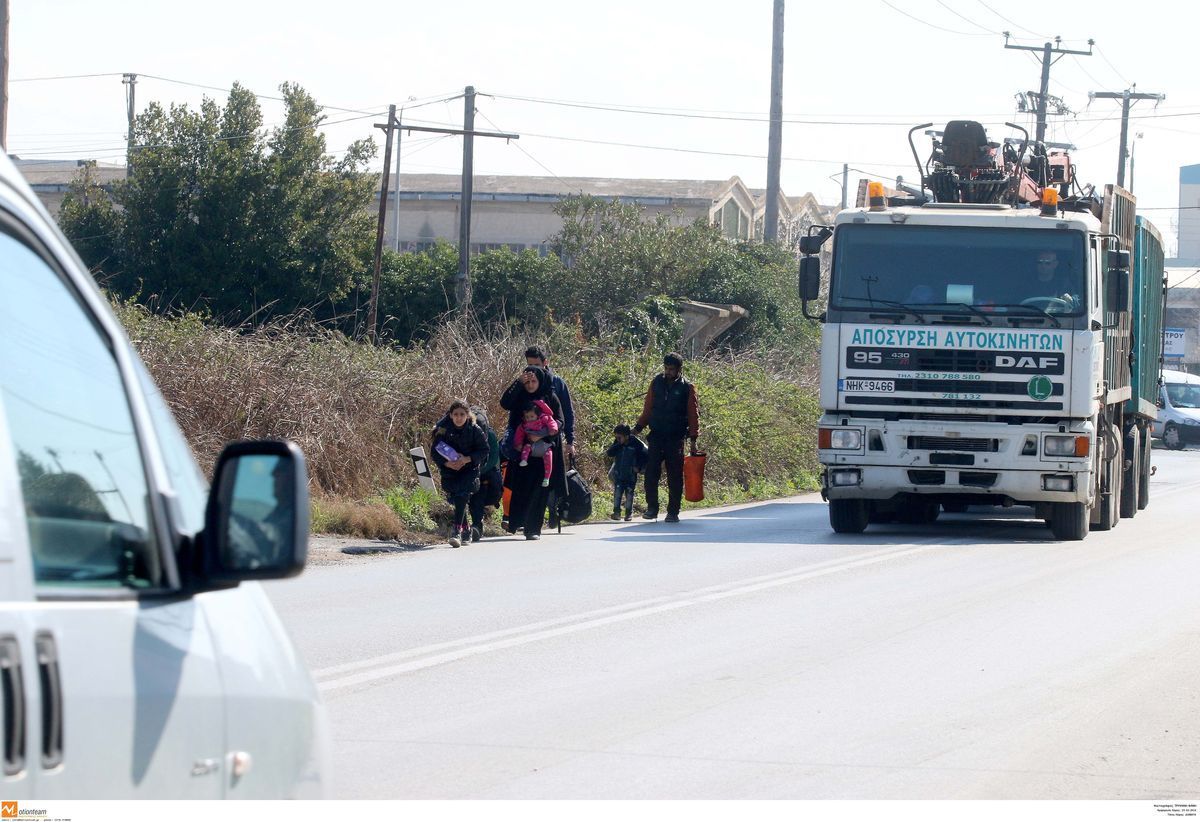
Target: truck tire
x=1069 y=521
x=1108 y=503
x=1144 y=477
x=848 y=516
x=1132 y=480
x=1171 y=437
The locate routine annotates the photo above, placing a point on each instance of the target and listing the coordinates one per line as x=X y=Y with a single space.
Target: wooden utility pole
x=1047 y=51
x=130 y=82
x=462 y=283
x=373 y=308
x=775 y=135
x=4 y=75
x=1127 y=97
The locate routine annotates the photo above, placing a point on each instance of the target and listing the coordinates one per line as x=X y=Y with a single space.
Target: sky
x=674 y=89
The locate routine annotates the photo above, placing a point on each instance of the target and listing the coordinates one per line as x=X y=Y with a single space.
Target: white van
x=1178 y=422
x=138 y=656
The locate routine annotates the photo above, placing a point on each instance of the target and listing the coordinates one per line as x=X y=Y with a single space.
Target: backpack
x=576 y=506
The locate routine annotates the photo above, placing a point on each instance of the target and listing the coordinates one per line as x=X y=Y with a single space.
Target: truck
x=990 y=337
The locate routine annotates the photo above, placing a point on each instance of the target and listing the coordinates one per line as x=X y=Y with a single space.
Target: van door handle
x=12 y=691
x=50 y=680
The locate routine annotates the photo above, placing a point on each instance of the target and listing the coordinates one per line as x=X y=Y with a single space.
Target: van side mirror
x=256 y=524
x=1118 y=259
x=810 y=278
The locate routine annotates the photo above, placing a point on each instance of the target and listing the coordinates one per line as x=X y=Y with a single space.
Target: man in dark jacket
x=671 y=411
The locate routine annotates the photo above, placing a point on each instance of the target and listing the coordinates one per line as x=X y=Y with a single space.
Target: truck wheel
x=848 y=516
x=1131 y=481
x=1171 y=437
x=1144 y=477
x=1108 y=503
x=1069 y=520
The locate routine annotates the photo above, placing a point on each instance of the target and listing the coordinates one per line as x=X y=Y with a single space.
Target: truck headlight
x=1066 y=446
x=839 y=439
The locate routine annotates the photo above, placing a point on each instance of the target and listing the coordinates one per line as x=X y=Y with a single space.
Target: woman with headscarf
x=527 y=508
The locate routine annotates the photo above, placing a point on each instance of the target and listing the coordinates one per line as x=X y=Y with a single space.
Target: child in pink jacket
x=541 y=423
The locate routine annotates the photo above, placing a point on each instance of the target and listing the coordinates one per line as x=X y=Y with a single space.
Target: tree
x=223 y=214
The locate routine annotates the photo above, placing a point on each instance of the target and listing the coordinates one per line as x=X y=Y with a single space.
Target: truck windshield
x=953 y=269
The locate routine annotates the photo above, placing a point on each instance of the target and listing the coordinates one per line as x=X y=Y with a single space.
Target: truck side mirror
x=256 y=524
x=1118 y=259
x=810 y=278
x=1118 y=288
x=811 y=243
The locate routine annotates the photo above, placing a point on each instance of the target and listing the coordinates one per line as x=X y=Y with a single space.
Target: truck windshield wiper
x=1034 y=309
x=892 y=304
x=981 y=314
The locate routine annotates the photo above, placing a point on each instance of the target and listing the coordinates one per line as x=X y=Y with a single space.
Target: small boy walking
x=628 y=454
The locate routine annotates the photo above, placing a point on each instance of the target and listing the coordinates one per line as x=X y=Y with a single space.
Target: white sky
x=856 y=62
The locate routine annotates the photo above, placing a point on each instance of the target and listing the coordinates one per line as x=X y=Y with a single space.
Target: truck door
x=131 y=696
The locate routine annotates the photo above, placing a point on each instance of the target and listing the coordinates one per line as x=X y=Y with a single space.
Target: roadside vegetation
x=239 y=259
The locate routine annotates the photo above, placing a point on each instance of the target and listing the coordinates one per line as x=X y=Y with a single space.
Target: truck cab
x=963 y=362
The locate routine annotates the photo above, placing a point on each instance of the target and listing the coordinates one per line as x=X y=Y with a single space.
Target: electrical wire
x=521 y=148
x=1011 y=23
x=931 y=25
x=66 y=77
x=967 y=19
x=1120 y=75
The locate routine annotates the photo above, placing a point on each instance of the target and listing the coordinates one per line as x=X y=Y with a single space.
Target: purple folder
x=447 y=451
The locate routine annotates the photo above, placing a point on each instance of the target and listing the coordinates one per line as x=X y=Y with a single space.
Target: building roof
x=63 y=172
x=706 y=190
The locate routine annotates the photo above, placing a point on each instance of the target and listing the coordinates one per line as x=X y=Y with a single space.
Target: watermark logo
x=8 y=810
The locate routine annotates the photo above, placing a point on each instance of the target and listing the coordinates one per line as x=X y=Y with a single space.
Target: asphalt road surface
x=749 y=652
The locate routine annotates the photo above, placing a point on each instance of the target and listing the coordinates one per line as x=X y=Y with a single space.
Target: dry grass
x=356 y=409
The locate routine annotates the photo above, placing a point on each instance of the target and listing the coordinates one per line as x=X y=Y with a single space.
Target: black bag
x=577 y=505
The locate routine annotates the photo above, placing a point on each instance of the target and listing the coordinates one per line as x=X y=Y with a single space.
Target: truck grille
x=952 y=444
x=978 y=479
x=927 y=477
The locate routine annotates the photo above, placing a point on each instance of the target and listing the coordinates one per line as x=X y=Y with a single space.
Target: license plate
x=870 y=386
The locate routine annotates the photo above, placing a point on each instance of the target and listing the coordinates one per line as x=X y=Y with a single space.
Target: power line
x=931 y=25
x=64 y=77
x=543 y=166
x=1120 y=75
x=1010 y=22
x=965 y=18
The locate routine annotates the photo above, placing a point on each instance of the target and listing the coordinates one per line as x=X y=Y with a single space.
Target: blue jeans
x=623 y=493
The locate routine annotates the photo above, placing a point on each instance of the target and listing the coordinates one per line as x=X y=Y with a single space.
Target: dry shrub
x=356 y=409
x=357 y=519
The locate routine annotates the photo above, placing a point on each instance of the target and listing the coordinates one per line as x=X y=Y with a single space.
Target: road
x=749 y=652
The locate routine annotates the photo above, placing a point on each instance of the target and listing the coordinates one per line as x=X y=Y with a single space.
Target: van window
x=1183 y=395
x=78 y=458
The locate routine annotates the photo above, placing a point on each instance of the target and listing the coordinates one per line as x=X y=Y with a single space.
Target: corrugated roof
x=706 y=190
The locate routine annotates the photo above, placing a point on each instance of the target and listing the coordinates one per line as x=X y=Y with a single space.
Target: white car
x=138 y=655
x=1178 y=422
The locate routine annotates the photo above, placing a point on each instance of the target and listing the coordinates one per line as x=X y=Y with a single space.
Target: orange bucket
x=693 y=477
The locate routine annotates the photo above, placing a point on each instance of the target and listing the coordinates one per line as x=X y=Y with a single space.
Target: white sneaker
x=546 y=482
x=523 y=463
x=454 y=540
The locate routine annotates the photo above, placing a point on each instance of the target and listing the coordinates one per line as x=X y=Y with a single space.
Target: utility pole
x=130 y=83
x=396 y=196
x=462 y=284
x=775 y=136
x=373 y=308
x=1047 y=51
x=845 y=183
x=4 y=75
x=1127 y=97
x=462 y=281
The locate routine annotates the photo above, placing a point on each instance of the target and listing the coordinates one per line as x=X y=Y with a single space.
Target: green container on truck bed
x=1147 y=319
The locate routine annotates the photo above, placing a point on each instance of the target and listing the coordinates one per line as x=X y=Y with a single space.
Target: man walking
x=671 y=411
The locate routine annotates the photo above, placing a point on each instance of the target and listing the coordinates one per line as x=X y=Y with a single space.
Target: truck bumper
x=981 y=462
